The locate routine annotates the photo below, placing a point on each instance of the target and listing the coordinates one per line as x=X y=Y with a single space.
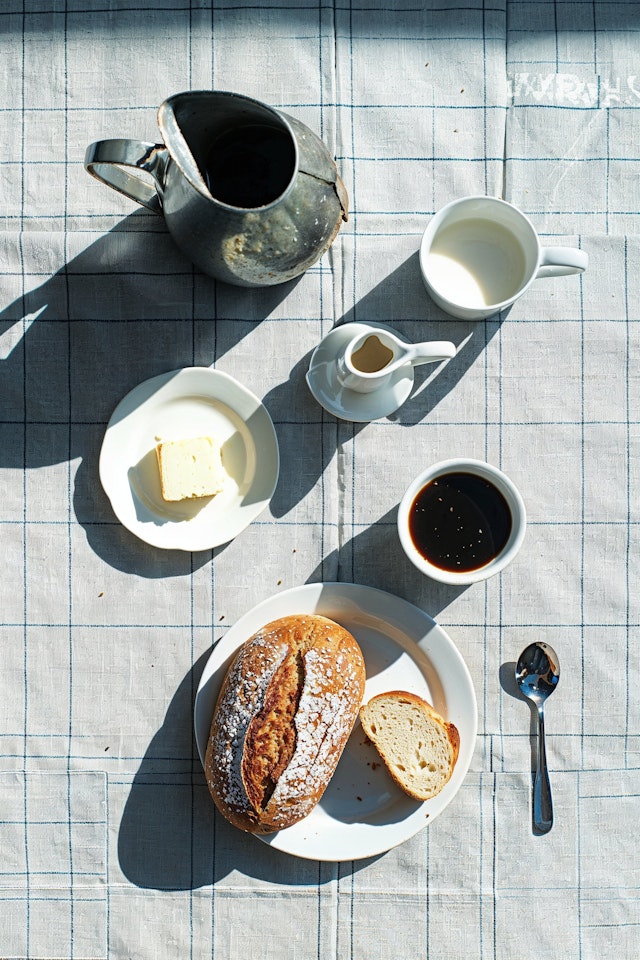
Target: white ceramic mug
x=464 y=485
x=480 y=254
x=372 y=356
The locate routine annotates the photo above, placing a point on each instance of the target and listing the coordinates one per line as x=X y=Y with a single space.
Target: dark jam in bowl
x=459 y=522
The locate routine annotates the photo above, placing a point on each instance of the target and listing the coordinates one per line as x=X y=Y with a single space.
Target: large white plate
x=362 y=812
x=194 y=401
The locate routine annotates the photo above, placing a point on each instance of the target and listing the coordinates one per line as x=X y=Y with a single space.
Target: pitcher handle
x=561 y=261
x=106 y=159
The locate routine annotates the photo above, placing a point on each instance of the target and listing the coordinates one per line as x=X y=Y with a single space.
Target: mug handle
x=561 y=261
x=106 y=159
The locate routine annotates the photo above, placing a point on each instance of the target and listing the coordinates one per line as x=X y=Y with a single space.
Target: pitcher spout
x=180 y=121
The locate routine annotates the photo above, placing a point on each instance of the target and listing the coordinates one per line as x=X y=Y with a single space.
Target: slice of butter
x=190 y=468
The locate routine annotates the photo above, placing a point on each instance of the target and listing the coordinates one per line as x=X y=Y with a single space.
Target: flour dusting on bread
x=286 y=708
x=241 y=697
x=323 y=723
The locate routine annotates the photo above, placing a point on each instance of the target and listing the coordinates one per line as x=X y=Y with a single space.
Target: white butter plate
x=362 y=813
x=193 y=401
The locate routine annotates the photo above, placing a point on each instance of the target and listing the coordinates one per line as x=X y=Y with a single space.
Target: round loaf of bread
x=285 y=711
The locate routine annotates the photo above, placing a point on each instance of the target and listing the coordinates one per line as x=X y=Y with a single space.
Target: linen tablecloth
x=109 y=844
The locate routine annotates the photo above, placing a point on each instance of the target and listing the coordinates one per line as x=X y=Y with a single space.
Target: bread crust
x=286 y=708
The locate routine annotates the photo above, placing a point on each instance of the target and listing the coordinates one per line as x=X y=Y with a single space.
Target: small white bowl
x=502 y=483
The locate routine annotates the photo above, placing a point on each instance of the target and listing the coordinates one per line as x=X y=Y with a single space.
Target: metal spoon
x=537 y=675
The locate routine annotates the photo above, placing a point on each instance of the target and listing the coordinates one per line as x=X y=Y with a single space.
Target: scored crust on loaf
x=418 y=747
x=286 y=707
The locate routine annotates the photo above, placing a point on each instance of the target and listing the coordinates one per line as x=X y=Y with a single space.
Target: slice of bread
x=417 y=745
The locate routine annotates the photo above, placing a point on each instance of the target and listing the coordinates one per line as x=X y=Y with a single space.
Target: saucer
x=349 y=404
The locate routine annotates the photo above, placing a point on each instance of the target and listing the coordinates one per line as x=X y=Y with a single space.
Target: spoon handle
x=542 y=804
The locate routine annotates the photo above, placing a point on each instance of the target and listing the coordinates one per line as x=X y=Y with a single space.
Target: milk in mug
x=476 y=261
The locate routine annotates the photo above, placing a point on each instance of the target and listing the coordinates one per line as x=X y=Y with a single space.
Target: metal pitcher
x=249 y=194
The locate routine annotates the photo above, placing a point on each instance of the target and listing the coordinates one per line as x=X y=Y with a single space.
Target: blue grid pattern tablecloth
x=109 y=846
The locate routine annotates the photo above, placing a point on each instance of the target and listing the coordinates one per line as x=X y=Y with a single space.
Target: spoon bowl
x=537 y=675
